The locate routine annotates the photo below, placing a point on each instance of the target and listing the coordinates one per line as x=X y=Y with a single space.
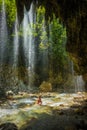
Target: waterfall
x=23 y=51
x=31 y=40
x=17 y=53
x=75 y=82
x=3 y=33
x=15 y=43
x=79 y=84
x=28 y=42
x=4 y=40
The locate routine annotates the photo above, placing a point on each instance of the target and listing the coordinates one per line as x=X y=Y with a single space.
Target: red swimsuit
x=39 y=101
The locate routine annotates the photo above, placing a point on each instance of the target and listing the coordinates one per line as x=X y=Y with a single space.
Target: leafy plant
x=45 y=87
x=10 y=8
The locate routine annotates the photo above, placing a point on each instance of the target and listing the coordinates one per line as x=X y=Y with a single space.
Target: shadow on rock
x=72 y=118
x=8 y=126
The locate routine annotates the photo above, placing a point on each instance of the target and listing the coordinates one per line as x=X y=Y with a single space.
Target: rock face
x=8 y=126
x=73 y=13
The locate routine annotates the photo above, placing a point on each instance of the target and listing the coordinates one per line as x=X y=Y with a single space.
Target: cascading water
x=28 y=42
x=79 y=84
x=22 y=50
x=16 y=44
x=3 y=32
x=3 y=44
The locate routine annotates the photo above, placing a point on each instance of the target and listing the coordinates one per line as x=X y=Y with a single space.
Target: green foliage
x=10 y=7
x=52 y=38
x=11 y=10
x=42 y=30
x=45 y=87
x=58 y=40
x=57 y=79
x=40 y=15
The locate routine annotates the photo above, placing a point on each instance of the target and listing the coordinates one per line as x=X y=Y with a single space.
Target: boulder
x=45 y=87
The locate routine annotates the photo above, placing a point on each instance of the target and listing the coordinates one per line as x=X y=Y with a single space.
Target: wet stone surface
x=57 y=112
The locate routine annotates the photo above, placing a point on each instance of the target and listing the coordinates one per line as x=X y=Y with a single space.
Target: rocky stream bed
x=59 y=111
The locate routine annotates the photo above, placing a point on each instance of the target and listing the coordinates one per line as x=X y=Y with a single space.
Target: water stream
x=3 y=33
x=28 y=41
x=80 y=84
x=15 y=43
x=62 y=100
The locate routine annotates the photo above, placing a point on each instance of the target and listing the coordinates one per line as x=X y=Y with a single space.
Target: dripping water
x=78 y=82
x=3 y=33
x=28 y=42
x=15 y=43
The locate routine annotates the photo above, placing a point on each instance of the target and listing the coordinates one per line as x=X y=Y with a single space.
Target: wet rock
x=22 y=93
x=70 y=128
x=8 y=126
x=23 y=105
x=79 y=111
x=9 y=93
x=61 y=105
x=61 y=113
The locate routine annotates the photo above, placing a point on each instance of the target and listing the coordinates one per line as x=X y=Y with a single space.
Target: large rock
x=8 y=126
